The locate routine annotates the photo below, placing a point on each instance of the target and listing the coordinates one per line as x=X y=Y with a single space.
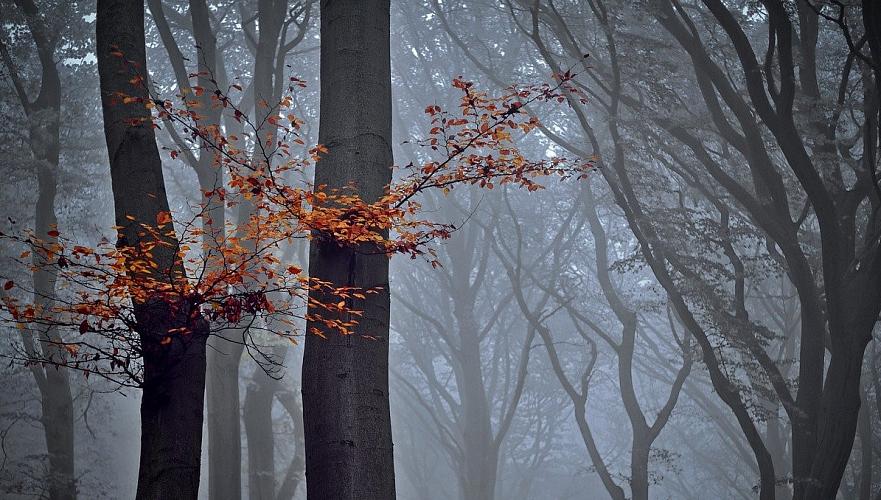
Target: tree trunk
x=174 y=363
x=57 y=420
x=54 y=383
x=639 y=468
x=345 y=378
x=866 y=451
x=44 y=120
x=479 y=465
x=261 y=440
x=223 y=357
x=840 y=413
x=294 y=475
x=224 y=420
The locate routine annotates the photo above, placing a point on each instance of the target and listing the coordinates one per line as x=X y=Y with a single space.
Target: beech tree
x=713 y=287
x=759 y=96
x=268 y=37
x=174 y=366
x=145 y=307
x=43 y=113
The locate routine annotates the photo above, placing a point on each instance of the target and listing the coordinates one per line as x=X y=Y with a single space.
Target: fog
x=661 y=279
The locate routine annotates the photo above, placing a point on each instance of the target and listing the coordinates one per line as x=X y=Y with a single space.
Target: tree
x=644 y=432
x=145 y=307
x=174 y=365
x=756 y=128
x=345 y=379
x=44 y=115
x=270 y=46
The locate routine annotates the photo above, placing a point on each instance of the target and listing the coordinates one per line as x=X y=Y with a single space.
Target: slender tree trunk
x=345 y=378
x=777 y=448
x=866 y=452
x=54 y=384
x=639 y=468
x=224 y=420
x=44 y=120
x=224 y=357
x=294 y=475
x=259 y=396
x=174 y=363
x=261 y=440
x=57 y=422
x=478 y=467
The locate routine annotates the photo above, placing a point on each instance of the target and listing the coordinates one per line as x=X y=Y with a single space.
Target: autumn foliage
x=240 y=276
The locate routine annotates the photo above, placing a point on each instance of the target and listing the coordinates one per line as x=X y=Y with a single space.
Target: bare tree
x=44 y=115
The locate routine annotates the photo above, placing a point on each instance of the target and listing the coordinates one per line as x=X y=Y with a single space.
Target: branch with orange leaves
x=243 y=278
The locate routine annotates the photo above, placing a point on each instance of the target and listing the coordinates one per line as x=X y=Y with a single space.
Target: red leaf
x=8 y=285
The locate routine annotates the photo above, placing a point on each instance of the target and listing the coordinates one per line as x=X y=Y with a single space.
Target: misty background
x=546 y=358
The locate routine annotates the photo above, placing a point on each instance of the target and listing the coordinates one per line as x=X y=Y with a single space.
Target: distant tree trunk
x=57 y=422
x=54 y=384
x=56 y=400
x=345 y=378
x=224 y=420
x=174 y=364
x=294 y=475
x=260 y=394
x=44 y=119
x=259 y=399
x=479 y=465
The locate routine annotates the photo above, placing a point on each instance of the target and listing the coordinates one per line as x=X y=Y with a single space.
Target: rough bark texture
x=345 y=378
x=174 y=371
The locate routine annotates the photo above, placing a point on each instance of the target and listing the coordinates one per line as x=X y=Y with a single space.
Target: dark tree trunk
x=838 y=425
x=345 y=378
x=866 y=452
x=174 y=364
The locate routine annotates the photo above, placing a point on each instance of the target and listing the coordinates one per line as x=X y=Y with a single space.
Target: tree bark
x=174 y=364
x=345 y=378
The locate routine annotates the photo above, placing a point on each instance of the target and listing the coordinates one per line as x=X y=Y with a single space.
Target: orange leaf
x=163 y=218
